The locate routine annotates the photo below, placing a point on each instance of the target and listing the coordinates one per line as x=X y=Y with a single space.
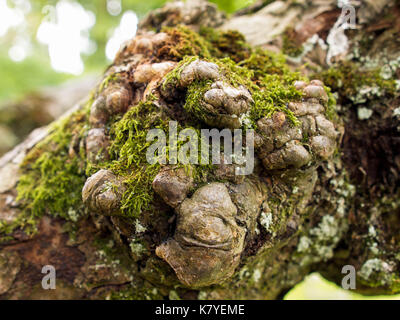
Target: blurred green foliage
x=17 y=78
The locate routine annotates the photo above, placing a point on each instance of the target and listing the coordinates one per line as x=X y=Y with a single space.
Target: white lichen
x=304 y=244
x=173 y=295
x=377 y=271
x=266 y=220
x=202 y=295
x=319 y=244
x=372 y=231
x=245 y=120
x=73 y=215
x=364 y=113
x=256 y=275
x=139 y=227
x=137 y=248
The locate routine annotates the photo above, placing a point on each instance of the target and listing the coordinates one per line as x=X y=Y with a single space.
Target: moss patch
x=185 y=42
x=263 y=73
x=51 y=180
x=226 y=44
x=348 y=79
x=128 y=152
x=128 y=155
x=290 y=45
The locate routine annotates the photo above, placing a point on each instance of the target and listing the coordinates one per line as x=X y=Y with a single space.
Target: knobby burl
x=218 y=219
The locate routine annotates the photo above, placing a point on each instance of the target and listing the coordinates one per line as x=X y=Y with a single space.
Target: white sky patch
x=14 y=18
x=9 y=17
x=114 y=7
x=21 y=48
x=65 y=30
x=125 y=31
x=24 y=5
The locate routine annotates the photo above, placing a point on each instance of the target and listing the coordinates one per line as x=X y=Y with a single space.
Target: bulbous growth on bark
x=212 y=223
x=102 y=193
x=282 y=145
x=207 y=243
x=173 y=185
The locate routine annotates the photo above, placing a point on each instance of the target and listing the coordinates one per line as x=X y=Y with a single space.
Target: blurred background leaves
x=48 y=42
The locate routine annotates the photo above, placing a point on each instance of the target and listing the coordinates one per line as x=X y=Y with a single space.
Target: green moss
x=194 y=96
x=185 y=42
x=235 y=73
x=290 y=46
x=50 y=180
x=226 y=44
x=265 y=74
x=47 y=182
x=207 y=43
x=128 y=155
x=331 y=105
x=273 y=98
x=104 y=84
x=348 y=79
x=265 y=62
x=174 y=76
x=270 y=82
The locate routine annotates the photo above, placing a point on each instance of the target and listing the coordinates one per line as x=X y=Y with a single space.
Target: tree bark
x=338 y=209
x=39 y=108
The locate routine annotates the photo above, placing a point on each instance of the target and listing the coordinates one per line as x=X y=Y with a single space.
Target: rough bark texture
x=36 y=109
x=324 y=192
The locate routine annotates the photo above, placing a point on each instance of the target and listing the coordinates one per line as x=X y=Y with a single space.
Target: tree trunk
x=324 y=192
x=39 y=108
